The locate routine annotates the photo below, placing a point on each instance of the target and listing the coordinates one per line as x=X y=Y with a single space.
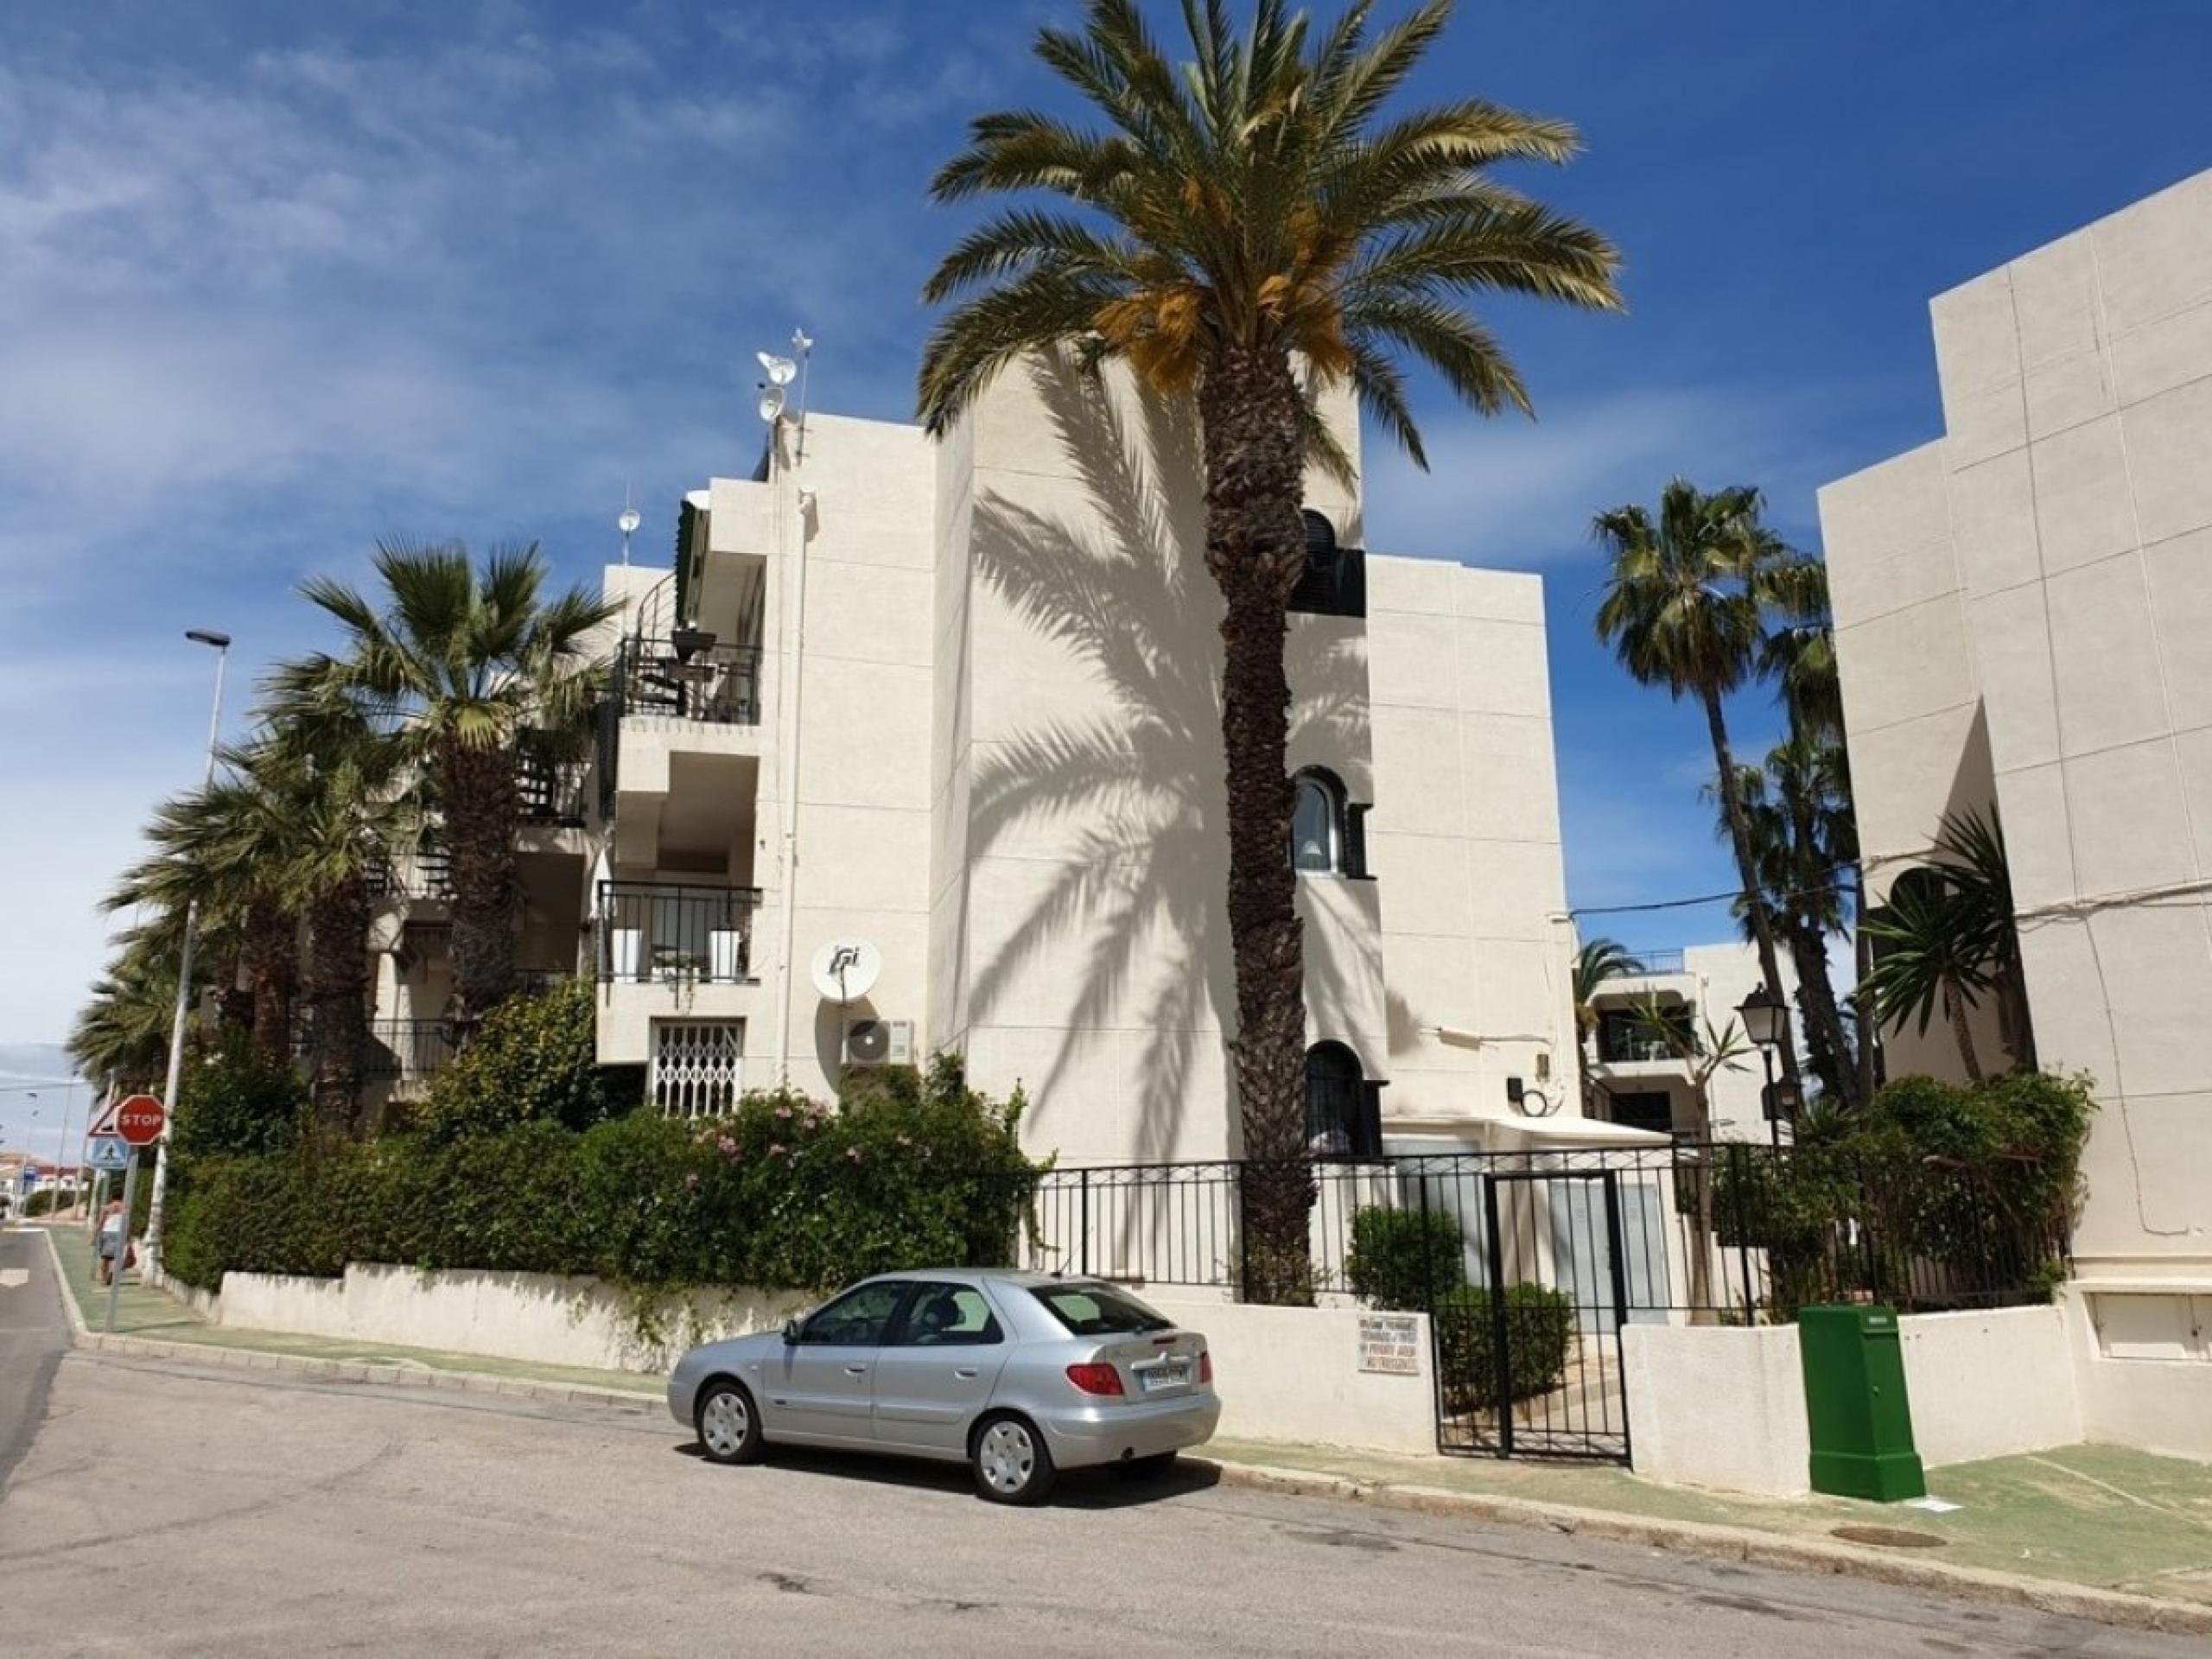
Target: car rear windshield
x=1100 y=1310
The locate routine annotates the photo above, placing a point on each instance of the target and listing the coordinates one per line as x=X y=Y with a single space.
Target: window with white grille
x=698 y=1066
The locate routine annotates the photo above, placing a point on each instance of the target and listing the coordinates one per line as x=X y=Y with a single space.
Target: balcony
x=399 y=1056
x=552 y=791
x=688 y=676
x=426 y=872
x=655 y=933
x=1626 y=1037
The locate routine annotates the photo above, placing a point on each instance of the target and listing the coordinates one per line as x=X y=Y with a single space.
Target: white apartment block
x=957 y=703
x=1641 y=1080
x=2023 y=612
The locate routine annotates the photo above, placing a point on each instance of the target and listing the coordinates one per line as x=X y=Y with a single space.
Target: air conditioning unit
x=879 y=1042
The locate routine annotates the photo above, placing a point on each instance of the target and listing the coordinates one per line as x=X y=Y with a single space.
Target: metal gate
x=1528 y=1357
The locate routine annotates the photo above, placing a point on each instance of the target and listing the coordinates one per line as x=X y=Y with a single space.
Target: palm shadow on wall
x=1132 y=797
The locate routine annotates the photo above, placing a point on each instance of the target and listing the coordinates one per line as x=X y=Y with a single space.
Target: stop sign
x=139 y=1120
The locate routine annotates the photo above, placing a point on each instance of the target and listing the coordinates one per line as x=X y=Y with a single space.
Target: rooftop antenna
x=781 y=372
x=627 y=524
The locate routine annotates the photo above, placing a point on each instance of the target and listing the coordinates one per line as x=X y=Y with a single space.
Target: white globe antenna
x=781 y=369
x=627 y=524
x=845 y=970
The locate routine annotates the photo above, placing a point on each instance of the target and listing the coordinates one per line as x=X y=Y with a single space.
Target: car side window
x=945 y=1316
x=856 y=1319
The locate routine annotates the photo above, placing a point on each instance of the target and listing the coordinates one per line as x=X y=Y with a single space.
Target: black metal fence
x=1530 y=1264
x=552 y=791
x=426 y=872
x=1745 y=1232
x=650 y=931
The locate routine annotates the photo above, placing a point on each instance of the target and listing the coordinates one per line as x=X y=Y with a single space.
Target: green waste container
x=1855 y=1404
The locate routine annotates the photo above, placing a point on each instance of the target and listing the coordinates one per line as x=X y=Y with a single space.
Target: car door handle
x=855 y=1371
x=966 y=1370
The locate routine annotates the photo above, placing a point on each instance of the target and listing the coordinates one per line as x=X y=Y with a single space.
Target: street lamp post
x=220 y=644
x=1765 y=1020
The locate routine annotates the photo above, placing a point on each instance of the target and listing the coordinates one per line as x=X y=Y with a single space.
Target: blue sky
x=274 y=280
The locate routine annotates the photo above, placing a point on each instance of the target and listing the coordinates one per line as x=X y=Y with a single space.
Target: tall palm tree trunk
x=483 y=806
x=338 y=984
x=271 y=961
x=1739 y=836
x=1255 y=549
x=1954 y=1010
x=1810 y=947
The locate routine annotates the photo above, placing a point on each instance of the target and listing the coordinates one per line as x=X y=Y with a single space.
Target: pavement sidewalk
x=2098 y=1532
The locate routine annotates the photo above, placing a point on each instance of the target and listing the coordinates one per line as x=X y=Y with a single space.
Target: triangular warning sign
x=104 y=1123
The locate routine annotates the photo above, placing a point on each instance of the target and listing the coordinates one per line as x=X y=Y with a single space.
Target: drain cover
x=1888 y=1537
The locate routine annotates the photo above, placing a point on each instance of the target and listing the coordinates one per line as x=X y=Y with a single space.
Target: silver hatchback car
x=1018 y=1375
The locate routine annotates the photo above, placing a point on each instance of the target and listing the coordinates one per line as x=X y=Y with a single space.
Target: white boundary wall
x=539 y=1318
x=1725 y=1406
x=2142 y=1358
x=1292 y=1373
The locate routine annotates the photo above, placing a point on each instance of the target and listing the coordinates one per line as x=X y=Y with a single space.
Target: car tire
x=728 y=1423
x=1151 y=1468
x=1010 y=1461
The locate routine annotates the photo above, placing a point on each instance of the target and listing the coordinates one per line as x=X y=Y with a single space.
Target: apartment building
x=1645 y=1078
x=2023 y=612
x=916 y=746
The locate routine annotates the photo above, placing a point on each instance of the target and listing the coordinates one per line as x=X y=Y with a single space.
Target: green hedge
x=235 y=1099
x=1540 y=1324
x=1405 y=1258
x=534 y=1059
x=785 y=1193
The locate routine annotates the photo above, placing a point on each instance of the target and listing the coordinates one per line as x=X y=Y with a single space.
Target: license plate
x=1169 y=1374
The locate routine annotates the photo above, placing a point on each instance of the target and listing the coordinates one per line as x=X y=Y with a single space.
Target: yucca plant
x=1241 y=230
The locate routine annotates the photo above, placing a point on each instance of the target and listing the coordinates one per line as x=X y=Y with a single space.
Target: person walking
x=110 y=1244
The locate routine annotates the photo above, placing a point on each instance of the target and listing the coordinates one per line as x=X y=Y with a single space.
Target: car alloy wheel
x=1012 y=1465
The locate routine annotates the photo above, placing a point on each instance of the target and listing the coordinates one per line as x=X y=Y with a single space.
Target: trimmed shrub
x=784 y=1193
x=1539 y=1323
x=1405 y=1258
x=236 y=1100
x=533 y=1059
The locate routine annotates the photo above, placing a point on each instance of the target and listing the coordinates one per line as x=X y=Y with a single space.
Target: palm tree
x=1927 y=955
x=1241 y=232
x=1797 y=809
x=218 y=855
x=459 y=664
x=123 y=1030
x=1597 y=961
x=1683 y=608
x=1946 y=935
x=338 y=790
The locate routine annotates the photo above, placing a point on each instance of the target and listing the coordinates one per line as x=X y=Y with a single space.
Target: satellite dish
x=629 y=520
x=781 y=369
x=772 y=404
x=845 y=970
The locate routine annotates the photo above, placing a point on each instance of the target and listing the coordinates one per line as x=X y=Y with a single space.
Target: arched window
x=1343 y=1110
x=1317 y=825
x=1334 y=581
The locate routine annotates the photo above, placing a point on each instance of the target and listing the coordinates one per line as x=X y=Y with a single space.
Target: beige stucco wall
x=1464 y=844
x=539 y=1318
x=2022 y=609
x=1292 y=1373
x=1006 y=757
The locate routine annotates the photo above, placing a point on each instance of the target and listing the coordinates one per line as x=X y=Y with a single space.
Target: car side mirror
x=790 y=1332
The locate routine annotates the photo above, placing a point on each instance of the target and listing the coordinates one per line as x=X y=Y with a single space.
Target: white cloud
x=1513 y=493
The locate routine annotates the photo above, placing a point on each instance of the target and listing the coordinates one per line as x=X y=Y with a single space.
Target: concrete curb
x=341 y=1370
x=1711 y=1542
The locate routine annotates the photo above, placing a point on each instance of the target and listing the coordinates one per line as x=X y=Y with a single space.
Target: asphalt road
x=162 y=1510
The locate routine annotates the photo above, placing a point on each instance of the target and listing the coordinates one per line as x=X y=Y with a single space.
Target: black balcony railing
x=685 y=678
x=552 y=791
x=426 y=872
x=403 y=1055
x=650 y=931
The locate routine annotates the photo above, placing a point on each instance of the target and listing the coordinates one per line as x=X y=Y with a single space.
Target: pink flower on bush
x=855 y=1154
x=727 y=1146
x=691 y=1182
x=783 y=1113
x=778 y=1150
x=906 y=1140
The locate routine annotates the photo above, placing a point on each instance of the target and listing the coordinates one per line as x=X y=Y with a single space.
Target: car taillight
x=1095 y=1378
x=1206 y=1366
